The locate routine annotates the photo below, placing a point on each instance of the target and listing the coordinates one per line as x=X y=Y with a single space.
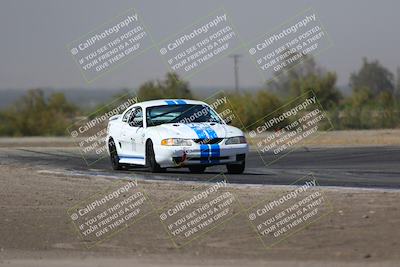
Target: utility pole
x=236 y=70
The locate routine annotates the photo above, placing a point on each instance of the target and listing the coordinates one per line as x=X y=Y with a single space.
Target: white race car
x=169 y=133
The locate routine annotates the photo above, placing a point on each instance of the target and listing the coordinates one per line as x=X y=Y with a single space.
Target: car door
x=132 y=137
x=123 y=139
x=136 y=122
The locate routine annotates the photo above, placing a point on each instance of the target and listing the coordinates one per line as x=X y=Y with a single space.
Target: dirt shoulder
x=361 y=228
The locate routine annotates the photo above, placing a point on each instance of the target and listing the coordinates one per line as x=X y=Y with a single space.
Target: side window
x=127 y=115
x=136 y=119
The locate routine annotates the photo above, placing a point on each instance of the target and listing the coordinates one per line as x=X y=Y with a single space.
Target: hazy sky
x=34 y=35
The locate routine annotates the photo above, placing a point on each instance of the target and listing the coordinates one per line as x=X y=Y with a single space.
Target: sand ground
x=361 y=230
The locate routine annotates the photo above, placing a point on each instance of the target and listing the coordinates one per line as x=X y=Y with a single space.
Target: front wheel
x=236 y=168
x=151 y=158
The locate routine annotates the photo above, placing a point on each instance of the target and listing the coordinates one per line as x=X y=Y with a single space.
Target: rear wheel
x=114 y=155
x=236 y=168
x=197 y=168
x=151 y=158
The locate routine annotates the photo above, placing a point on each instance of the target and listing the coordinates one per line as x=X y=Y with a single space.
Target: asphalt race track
x=369 y=167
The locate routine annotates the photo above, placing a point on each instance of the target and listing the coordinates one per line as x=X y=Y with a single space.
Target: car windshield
x=185 y=113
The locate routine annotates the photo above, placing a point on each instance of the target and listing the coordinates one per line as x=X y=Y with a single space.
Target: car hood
x=197 y=130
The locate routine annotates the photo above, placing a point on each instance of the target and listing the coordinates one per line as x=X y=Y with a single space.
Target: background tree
x=35 y=115
x=250 y=107
x=324 y=87
x=298 y=69
x=397 y=93
x=356 y=109
x=374 y=76
x=300 y=77
x=388 y=112
x=171 y=87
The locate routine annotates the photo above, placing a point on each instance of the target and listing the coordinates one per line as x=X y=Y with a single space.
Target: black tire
x=114 y=156
x=151 y=159
x=197 y=168
x=236 y=168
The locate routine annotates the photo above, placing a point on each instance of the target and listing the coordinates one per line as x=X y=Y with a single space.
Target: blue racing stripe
x=211 y=133
x=170 y=102
x=215 y=152
x=200 y=132
x=204 y=149
x=204 y=152
x=215 y=149
x=181 y=102
x=130 y=157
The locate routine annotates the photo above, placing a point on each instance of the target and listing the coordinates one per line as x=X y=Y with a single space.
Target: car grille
x=208 y=141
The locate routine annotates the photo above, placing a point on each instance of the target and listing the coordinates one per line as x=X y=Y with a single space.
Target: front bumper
x=208 y=155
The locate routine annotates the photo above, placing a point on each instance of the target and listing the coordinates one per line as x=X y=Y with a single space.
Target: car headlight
x=176 y=142
x=236 y=140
